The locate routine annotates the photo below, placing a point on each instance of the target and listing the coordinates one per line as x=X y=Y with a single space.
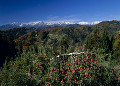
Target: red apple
x=70 y=79
x=52 y=69
x=91 y=60
x=33 y=70
x=55 y=69
x=86 y=74
x=84 y=67
x=68 y=64
x=95 y=62
x=79 y=67
x=69 y=70
x=98 y=56
x=29 y=78
x=62 y=72
x=80 y=70
x=40 y=76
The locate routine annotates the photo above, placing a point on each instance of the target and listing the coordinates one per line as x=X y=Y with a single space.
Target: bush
x=43 y=68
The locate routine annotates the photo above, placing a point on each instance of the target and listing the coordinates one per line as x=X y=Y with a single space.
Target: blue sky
x=58 y=10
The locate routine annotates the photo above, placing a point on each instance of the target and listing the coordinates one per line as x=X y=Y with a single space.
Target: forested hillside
x=29 y=56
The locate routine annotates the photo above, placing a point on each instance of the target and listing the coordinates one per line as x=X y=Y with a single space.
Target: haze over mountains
x=44 y=24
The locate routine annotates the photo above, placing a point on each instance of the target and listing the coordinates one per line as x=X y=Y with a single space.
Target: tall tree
x=7 y=48
x=116 y=45
x=105 y=42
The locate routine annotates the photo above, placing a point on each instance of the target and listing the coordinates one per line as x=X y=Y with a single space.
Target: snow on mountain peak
x=44 y=24
x=57 y=23
x=89 y=23
x=33 y=23
x=83 y=23
x=49 y=23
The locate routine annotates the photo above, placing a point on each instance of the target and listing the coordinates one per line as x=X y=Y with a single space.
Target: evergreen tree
x=64 y=44
x=105 y=42
x=88 y=42
x=116 y=45
x=96 y=38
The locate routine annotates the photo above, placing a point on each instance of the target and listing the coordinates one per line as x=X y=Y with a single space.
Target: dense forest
x=36 y=57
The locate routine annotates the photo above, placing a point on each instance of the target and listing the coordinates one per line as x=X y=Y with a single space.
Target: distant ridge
x=43 y=24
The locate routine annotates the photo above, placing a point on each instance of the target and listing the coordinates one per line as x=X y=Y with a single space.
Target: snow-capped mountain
x=43 y=24
x=35 y=24
x=48 y=23
x=89 y=23
x=12 y=25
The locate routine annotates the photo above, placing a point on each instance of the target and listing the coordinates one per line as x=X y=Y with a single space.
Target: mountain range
x=43 y=24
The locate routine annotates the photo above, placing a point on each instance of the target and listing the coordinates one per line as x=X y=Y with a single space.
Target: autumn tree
x=116 y=45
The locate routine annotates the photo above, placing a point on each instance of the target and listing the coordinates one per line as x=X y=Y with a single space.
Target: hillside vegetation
x=29 y=57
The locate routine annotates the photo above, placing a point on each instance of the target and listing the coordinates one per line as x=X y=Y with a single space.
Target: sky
x=74 y=11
